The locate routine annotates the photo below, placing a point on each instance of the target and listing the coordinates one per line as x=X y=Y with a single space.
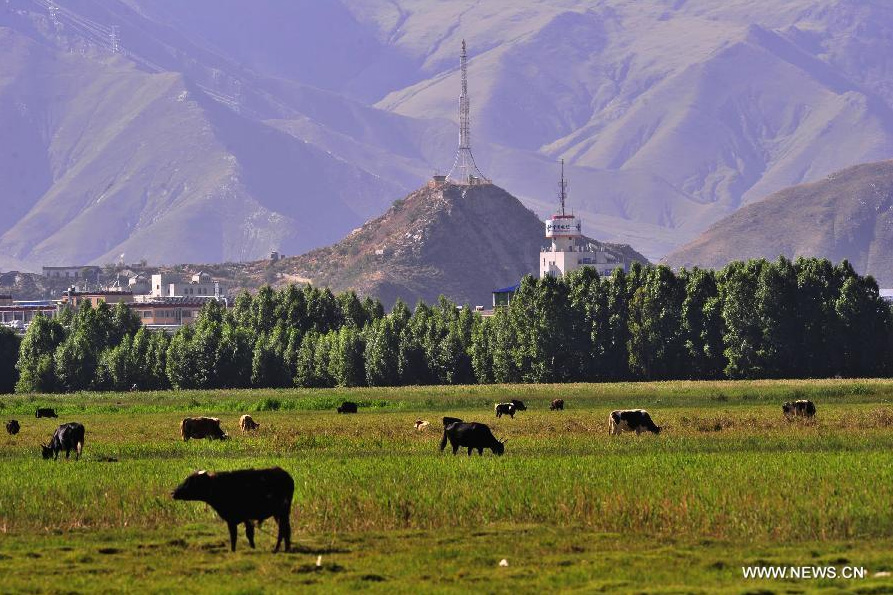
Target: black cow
x=244 y=496
x=66 y=437
x=631 y=420
x=45 y=413
x=556 y=405
x=202 y=427
x=519 y=405
x=451 y=420
x=505 y=409
x=12 y=427
x=799 y=408
x=348 y=407
x=471 y=436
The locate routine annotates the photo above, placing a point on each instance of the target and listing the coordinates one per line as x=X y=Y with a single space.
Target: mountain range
x=216 y=130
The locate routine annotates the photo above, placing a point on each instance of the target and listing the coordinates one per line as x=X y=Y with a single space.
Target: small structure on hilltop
x=569 y=249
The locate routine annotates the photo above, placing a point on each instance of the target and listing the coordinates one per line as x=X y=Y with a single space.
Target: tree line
x=758 y=319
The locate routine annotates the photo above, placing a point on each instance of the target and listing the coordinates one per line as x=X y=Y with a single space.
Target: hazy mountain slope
x=848 y=215
x=670 y=115
x=146 y=165
x=462 y=242
x=721 y=102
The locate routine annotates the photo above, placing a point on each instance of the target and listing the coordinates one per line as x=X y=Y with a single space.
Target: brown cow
x=202 y=427
x=247 y=423
x=556 y=405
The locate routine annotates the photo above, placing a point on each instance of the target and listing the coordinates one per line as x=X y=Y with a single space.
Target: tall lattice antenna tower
x=115 y=40
x=465 y=170
x=562 y=189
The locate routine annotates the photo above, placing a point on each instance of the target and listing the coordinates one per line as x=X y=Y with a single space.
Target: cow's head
x=657 y=429
x=499 y=448
x=46 y=450
x=787 y=408
x=196 y=487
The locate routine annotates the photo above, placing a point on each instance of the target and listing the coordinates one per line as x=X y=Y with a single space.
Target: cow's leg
x=481 y=451
x=284 y=531
x=233 y=532
x=455 y=446
x=249 y=533
x=470 y=450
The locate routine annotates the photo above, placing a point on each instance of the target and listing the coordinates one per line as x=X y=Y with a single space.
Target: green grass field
x=729 y=483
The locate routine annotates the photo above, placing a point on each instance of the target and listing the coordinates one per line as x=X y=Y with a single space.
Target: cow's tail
x=443 y=441
x=612 y=422
x=183 y=429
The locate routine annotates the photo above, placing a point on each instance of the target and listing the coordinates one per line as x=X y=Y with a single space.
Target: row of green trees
x=756 y=319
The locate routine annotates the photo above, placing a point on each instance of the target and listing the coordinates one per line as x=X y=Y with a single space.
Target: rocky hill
x=459 y=241
x=848 y=215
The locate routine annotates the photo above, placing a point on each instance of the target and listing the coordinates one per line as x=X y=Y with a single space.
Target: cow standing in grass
x=12 y=427
x=202 y=427
x=631 y=420
x=347 y=407
x=246 y=496
x=45 y=412
x=505 y=409
x=247 y=423
x=67 y=437
x=473 y=436
x=556 y=405
x=799 y=408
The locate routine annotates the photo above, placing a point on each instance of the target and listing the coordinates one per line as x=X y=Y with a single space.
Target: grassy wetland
x=729 y=483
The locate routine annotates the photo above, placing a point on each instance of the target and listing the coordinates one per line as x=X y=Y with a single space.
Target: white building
x=201 y=285
x=569 y=249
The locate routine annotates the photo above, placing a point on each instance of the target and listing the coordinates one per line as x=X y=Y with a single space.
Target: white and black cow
x=505 y=409
x=799 y=408
x=631 y=420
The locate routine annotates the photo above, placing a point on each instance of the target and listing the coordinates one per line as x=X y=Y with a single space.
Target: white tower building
x=569 y=249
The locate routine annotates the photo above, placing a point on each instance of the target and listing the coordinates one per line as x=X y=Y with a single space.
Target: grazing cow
x=556 y=405
x=247 y=423
x=66 y=437
x=451 y=420
x=471 y=436
x=421 y=425
x=348 y=407
x=134 y=388
x=202 y=427
x=505 y=409
x=45 y=412
x=799 y=408
x=631 y=420
x=12 y=427
x=244 y=496
x=519 y=405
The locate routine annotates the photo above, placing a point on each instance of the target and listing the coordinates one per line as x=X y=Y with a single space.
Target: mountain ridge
x=848 y=215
